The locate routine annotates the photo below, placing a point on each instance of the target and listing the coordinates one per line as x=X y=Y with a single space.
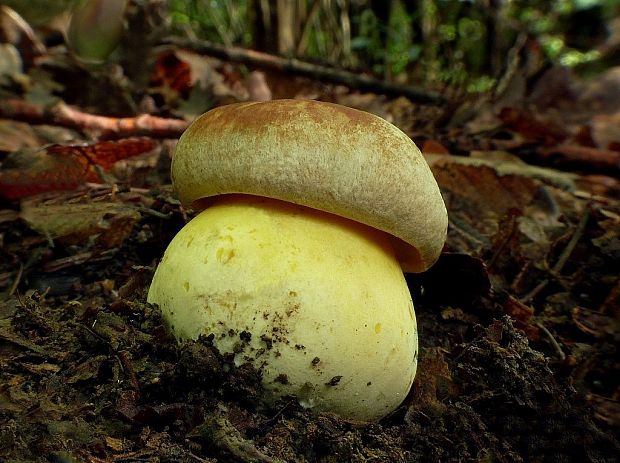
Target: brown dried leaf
x=39 y=369
x=117 y=445
x=606 y=130
x=104 y=224
x=611 y=305
x=602 y=94
x=257 y=87
x=86 y=370
x=522 y=315
x=15 y=135
x=531 y=127
x=483 y=188
x=433 y=382
x=595 y=323
x=434 y=147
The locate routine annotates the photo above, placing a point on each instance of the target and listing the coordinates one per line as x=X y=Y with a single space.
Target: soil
x=89 y=372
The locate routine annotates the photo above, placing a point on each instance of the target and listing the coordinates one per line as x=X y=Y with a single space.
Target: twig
x=14 y=16
x=303 y=41
x=506 y=239
x=78 y=259
x=124 y=359
x=122 y=356
x=459 y=227
x=584 y=158
x=566 y=253
x=512 y=64
x=65 y=262
x=533 y=293
x=570 y=247
x=197 y=458
x=18 y=278
x=153 y=212
x=553 y=341
x=112 y=127
x=306 y=69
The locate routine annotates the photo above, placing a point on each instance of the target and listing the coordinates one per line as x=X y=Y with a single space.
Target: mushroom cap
x=321 y=155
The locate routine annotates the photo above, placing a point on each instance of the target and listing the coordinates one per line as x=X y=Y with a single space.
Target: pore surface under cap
x=321 y=155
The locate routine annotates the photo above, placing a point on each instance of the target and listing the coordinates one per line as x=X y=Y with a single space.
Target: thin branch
x=112 y=127
x=552 y=340
x=306 y=69
x=17 y=280
x=15 y=17
x=566 y=253
x=570 y=247
x=305 y=35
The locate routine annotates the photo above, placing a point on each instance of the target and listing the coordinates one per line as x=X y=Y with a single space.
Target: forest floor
x=519 y=320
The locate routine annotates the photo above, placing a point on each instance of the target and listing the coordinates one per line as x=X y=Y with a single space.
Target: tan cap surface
x=321 y=155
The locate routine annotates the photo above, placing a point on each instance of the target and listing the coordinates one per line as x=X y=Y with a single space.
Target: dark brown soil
x=90 y=373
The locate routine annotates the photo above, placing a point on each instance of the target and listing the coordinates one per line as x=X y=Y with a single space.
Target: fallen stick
x=305 y=69
x=583 y=158
x=111 y=127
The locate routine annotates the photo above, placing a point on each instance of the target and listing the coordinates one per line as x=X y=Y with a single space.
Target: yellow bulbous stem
x=316 y=302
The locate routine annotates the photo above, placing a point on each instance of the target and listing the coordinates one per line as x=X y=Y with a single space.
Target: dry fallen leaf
x=64 y=167
x=606 y=130
x=434 y=147
x=531 y=127
x=104 y=224
x=595 y=323
x=433 y=384
x=483 y=187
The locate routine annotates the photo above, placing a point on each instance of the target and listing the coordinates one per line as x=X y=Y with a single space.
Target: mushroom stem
x=318 y=303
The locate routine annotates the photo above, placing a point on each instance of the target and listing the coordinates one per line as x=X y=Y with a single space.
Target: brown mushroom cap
x=320 y=155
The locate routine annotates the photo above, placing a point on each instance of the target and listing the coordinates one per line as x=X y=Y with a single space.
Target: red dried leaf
x=173 y=73
x=434 y=147
x=53 y=174
x=106 y=153
x=522 y=315
x=65 y=167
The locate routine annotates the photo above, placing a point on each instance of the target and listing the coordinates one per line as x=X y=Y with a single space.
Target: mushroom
x=312 y=211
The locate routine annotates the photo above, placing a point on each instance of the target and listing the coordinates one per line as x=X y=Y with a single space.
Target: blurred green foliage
x=39 y=12
x=218 y=20
x=457 y=42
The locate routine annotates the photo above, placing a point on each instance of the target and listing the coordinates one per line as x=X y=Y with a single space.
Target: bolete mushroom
x=313 y=211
